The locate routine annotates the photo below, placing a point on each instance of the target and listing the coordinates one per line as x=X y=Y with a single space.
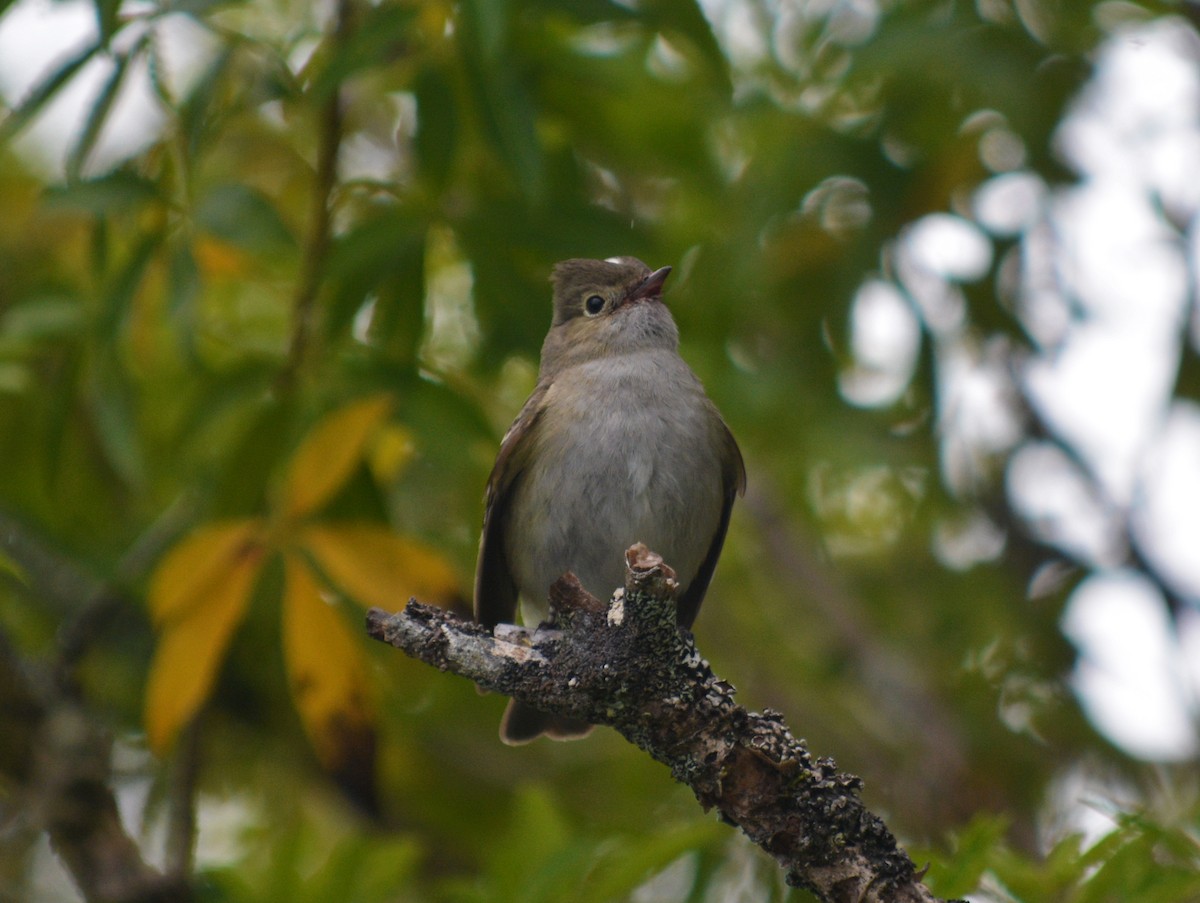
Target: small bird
x=617 y=444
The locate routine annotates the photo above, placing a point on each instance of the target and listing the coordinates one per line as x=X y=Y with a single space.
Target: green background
x=172 y=326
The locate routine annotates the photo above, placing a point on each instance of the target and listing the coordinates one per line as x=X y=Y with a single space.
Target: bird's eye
x=593 y=305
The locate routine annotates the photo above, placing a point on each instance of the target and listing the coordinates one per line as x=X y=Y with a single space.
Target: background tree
x=266 y=312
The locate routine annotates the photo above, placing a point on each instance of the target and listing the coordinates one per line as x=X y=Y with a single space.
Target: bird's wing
x=734 y=480
x=495 y=586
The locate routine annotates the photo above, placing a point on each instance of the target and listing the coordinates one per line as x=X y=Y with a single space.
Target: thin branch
x=181 y=821
x=317 y=244
x=626 y=664
x=57 y=756
x=59 y=759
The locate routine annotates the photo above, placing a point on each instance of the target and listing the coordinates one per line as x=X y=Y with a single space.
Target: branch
x=59 y=760
x=319 y=239
x=626 y=664
x=55 y=756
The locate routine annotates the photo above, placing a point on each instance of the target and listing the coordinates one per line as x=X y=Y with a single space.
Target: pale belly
x=629 y=469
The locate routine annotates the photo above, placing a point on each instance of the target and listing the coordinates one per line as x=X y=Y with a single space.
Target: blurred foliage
x=260 y=368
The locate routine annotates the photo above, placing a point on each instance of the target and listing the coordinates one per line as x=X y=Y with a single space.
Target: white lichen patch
x=511 y=633
x=517 y=652
x=616 y=609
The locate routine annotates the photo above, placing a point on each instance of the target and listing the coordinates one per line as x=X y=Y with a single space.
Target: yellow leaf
x=189 y=574
x=375 y=566
x=326 y=671
x=14 y=570
x=391 y=452
x=219 y=259
x=329 y=454
x=191 y=649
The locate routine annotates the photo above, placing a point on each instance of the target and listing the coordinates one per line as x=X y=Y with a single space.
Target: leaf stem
x=316 y=245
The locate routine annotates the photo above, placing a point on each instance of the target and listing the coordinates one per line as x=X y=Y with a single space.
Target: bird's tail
x=523 y=723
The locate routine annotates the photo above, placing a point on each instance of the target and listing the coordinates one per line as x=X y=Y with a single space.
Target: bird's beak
x=651 y=286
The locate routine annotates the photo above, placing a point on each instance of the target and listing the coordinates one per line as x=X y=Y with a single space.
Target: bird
x=618 y=443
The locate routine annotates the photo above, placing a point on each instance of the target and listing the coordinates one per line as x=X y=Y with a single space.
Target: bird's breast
x=624 y=452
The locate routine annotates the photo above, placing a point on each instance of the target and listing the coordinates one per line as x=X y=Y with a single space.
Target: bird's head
x=606 y=307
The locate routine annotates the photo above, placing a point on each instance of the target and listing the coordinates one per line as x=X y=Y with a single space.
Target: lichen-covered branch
x=627 y=665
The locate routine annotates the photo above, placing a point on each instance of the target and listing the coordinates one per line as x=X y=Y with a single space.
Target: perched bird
x=617 y=444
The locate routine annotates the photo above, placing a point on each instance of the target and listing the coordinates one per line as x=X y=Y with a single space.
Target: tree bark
x=58 y=763
x=628 y=665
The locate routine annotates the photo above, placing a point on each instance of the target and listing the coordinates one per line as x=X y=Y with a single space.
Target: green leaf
x=974 y=850
x=502 y=95
x=383 y=257
x=113 y=407
x=437 y=125
x=243 y=217
x=184 y=283
x=125 y=284
x=512 y=119
x=536 y=841
x=379 y=38
x=107 y=18
x=399 y=316
x=487 y=22
x=687 y=20
x=197 y=8
x=220 y=414
x=42 y=318
x=588 y=12
x=247 y=461
x=196 y=114
x=366 y=867
x=99 y=112
x=12 y=569
x=43 y=92
x=116 y=193
x=623 y=869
